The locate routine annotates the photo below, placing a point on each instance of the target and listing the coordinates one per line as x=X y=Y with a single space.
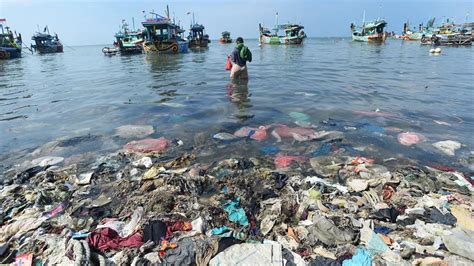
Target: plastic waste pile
x=146 y=205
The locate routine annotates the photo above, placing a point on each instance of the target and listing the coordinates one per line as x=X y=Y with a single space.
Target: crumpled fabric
x=360 y=258
x=282 y=161
x=435 y=216
x=147 y=145
x=157 y=230
x=320 y=260
x=259 y=134
x=388 y=214
x=249 y=254
x=29 y=220
x=409 y=138
x=271 y=210
x=183 y=254
x=236 y=214
x=327 y=232
x=154 y=231
x=125 y=229
x=375 y=245
x=299 y=133
x=460 y=242
x=104 y=239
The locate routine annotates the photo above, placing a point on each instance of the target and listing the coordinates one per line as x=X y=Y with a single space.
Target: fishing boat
x=10 y=45
x=294 y=34
x=163 y=36
x=225 y=37
x=197 y=37
x=129 y=42
x=370 y=32
x=450 y=34
x=45 y=43
x=414 y=35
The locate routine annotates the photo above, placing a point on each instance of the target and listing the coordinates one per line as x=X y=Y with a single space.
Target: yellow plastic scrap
x=150 y=174
x=463 y=216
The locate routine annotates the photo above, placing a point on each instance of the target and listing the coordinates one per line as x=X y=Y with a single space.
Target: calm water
x=84 y=93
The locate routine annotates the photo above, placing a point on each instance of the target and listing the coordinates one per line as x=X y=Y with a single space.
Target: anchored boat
x=410 y=35
x=294 y=34
x=450 y=34
x=45 y=43
x=10 y=45
x=225 y=37
x=370 y=32
x=197 y=37
x=129 y=42
x=163 y=36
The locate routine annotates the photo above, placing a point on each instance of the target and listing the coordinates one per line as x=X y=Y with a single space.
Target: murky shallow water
x=84 y=95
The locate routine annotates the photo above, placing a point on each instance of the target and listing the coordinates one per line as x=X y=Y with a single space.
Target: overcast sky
x=84 y=22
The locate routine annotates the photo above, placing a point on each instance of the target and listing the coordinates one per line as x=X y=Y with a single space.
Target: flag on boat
x=3 y=20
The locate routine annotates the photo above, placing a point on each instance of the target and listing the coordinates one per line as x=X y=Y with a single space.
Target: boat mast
x=276 y=23
x=133 y=23
x=363 y=18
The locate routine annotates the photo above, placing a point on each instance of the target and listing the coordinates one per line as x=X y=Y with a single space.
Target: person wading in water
x=239 y=57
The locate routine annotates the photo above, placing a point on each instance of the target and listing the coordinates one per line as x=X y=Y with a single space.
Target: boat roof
x=40 y=35
x=375 y=23
x=197 y=27
x=291 y=27
x=158 y=21
x=225 y=33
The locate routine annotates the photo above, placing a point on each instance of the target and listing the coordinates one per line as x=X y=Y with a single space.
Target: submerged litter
x=307 y=198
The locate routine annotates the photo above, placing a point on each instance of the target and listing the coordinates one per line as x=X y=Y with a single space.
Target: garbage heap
x=139 y=207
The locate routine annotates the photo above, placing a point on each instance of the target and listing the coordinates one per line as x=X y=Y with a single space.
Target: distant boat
x=129 y=42
x=197 y=37
x=450 y=34
x=294 y=34
x=10 y=46
x=410 y=35
x=225 y=37
x=370 y=32
x=45 y=43
x=163 y=36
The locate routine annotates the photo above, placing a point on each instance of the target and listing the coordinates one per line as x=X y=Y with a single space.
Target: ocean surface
x=371 y=93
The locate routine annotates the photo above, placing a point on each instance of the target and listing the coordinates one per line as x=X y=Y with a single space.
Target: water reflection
x=238 y=94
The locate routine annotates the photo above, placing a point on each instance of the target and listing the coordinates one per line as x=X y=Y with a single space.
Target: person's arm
x=233 y=55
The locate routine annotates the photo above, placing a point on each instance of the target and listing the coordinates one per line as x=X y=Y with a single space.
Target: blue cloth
x=322 y=150
x=221 y=230
x=236 y=214
x=270 y=150
x=372 y=128
x=382 y=230
x=360 y=258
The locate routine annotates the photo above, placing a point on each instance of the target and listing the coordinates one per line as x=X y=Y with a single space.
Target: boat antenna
x=363 y=18
x=194 y=22
x=38 y=27
x=133 y=23
x=168 y=11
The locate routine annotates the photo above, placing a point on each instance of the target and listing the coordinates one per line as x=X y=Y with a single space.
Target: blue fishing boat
x=162 y=35
x=197 y=37
x=45 y=43
x=129 y=42
x=10 y=45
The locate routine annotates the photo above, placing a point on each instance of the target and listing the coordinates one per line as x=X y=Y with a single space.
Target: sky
x=89 y=22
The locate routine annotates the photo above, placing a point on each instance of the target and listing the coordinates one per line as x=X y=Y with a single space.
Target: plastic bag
x=228 y=64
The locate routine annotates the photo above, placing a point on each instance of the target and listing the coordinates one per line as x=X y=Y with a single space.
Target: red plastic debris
x=147 y=145
x=282 y=161
x=409 y=138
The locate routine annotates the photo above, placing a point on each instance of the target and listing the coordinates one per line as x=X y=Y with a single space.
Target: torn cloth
x=104 y=239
